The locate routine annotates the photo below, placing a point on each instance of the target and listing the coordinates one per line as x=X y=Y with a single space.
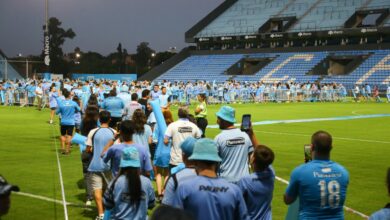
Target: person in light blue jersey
x=142 y=132
x=321 y=184
x=53 y=95
x=67 y=108
x=388 y=93
x=164 y=99
x=234 y=146
x=124 y=94
x=115 y=106
x=257 y=188
x=187 y=147
x=383 y=214
x=130 y=195
x=155 y=93
x=206 y=196
x=31 y=93
x=114 y=153
x=99 y=172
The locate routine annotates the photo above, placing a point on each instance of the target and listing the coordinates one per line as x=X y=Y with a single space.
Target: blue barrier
x=162 y=155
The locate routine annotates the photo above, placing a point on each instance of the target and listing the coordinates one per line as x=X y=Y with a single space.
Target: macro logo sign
x=46 y=50
x=368 y=30
x=276 y=35
x=335 y=32
x=304 y=34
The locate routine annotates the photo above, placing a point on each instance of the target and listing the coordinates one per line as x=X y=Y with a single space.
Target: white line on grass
x=338 y=118
x=348 y=209
x=41 y=198
x=340 y=138
x=60 y=174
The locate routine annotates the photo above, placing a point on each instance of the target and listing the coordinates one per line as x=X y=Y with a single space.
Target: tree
x=57 y=36
x=143 y=57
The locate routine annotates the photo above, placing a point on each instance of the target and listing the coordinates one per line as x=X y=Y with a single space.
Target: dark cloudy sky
x=101 y=24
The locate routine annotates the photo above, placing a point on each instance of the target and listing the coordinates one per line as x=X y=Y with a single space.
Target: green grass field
x=28 y=156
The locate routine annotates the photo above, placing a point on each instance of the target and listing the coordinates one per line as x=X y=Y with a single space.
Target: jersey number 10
x=330 y=196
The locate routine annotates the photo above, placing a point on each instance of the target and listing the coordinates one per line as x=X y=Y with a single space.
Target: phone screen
x=246 y=122
x=307 y=151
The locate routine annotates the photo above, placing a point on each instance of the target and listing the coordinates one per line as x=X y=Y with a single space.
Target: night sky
x=100 y=24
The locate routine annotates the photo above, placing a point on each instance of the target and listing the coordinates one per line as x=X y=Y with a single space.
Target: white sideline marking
x=340 y=138
x=348 y=209
x=338 y=118
x=40 y=197
x=60 y=173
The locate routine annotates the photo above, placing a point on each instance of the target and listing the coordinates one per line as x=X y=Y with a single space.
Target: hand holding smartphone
x=246 y=122
x=307 y=152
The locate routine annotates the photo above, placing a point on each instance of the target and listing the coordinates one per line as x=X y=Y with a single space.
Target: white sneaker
x=88 y=203
x=99 y=217
x=51 y=122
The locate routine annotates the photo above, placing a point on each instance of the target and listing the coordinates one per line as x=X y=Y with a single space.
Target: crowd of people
x=36 y=92
x=228 y=177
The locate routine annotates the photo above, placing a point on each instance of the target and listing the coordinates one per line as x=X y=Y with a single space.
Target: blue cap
x=130 y=158
x=187 y=146
x=205 y=149
x=227 y=113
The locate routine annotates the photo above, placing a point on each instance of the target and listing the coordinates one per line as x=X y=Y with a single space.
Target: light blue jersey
x=383 y=214
x=257 y=189
x=123 y=208
x=234 y=147
x=211 y=199
x=163 y=100
x=143 y=138
x=321 y=186
x=67 y=108
x=114 y=105
x=100 y=140
x=172 y=185
x=114 y=155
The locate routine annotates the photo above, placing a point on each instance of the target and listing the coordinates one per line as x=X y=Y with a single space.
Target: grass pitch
x=28 y=157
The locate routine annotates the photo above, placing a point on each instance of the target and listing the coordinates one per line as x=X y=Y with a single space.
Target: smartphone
x=307 y=152
x=246 y=122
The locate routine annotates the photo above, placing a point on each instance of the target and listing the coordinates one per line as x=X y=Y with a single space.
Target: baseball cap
x=205 y=149
x=130 y=158
x=187 y=146
x=227 y=113
x=6 y=188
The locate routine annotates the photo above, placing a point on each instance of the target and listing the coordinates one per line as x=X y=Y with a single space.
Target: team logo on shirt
x=235 y=141
x=213 y=188
x=125 y=197
x=185 y=130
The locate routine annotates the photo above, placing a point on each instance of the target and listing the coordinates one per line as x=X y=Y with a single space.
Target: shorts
x=67 y=130
x=53 y=108
x=100 y=180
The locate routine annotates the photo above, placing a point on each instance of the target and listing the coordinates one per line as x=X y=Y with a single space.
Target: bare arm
x=108 y=145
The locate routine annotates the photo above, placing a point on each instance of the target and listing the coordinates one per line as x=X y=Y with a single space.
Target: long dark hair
x=90 y=119
x=92 y=100
x=134 y=183
x=139 y=120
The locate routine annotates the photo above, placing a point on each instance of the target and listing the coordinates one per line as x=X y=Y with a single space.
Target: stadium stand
x=285 y=67
x=7 y=70
x=341 y=41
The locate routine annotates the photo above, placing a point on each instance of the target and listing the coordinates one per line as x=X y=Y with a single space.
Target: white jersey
x=179 y=131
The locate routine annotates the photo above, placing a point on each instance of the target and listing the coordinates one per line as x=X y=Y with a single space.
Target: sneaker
x=99 y=217
x=51 y=122
x=88 y=203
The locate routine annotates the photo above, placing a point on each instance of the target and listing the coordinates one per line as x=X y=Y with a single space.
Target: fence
x=22 y=97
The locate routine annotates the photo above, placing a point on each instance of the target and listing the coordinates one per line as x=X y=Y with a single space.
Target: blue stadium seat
x=374 y=70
